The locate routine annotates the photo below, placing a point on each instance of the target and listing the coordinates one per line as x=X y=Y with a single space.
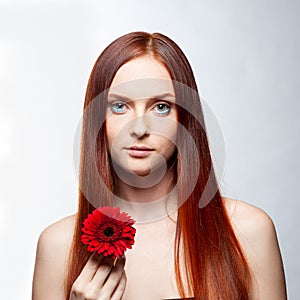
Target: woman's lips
x=139 y=152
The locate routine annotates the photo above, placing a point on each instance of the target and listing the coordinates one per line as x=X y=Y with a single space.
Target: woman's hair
x=214 y=264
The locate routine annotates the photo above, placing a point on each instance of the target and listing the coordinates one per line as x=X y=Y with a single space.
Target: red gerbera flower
x=108 y=231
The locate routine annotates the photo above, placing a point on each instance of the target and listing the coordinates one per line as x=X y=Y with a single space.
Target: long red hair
x=214 y=264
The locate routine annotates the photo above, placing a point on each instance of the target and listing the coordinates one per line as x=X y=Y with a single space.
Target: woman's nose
x=139 y=127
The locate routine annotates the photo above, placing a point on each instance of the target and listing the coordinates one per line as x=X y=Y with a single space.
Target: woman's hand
x=100 y=279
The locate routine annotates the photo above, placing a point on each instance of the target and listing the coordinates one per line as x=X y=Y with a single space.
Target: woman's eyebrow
x=169 y=96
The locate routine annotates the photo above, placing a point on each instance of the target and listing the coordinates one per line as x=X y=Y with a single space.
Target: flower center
x=108 y=231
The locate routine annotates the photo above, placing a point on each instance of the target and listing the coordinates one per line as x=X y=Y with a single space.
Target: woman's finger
x=100 y=278
x=115 y=275
x=120 y=289
x=90 y=267
x=102 y=272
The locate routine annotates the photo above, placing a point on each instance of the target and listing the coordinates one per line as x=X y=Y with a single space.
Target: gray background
x=245 y=55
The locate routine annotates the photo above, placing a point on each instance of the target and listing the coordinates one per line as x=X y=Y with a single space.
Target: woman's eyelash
x=118 y=107
x=167 y=107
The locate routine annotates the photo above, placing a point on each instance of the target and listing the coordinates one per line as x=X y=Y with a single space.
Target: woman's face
x=141 y=117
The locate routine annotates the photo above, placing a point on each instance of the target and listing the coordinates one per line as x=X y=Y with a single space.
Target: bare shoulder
x=247 y=218
x=51 y=259
x=256 y=233
x=58 y=235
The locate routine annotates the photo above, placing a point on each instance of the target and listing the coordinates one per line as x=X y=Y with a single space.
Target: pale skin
x=148 y=271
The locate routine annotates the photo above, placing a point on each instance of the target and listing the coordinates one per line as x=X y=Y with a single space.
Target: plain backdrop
x=245 y=56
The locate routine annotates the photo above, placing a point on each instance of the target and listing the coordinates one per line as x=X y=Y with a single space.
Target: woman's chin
x=141 y=177
x=139 y=172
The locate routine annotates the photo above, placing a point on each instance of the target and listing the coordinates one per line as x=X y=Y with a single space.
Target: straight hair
x=214 y=264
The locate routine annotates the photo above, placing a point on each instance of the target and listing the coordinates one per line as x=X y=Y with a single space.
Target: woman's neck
x=147 y=203
x=144 y=190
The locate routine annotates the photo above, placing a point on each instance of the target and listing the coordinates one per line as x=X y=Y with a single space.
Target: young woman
x=144 y=148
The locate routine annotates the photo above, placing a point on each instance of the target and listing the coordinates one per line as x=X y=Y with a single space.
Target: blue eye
x=118 y=107
x=162 y=108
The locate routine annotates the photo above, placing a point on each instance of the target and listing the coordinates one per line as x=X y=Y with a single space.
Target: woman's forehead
x=142 y=77
x=141 y=67
x=144 y=88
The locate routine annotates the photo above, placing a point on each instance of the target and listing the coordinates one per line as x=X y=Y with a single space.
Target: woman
x=143 y=118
